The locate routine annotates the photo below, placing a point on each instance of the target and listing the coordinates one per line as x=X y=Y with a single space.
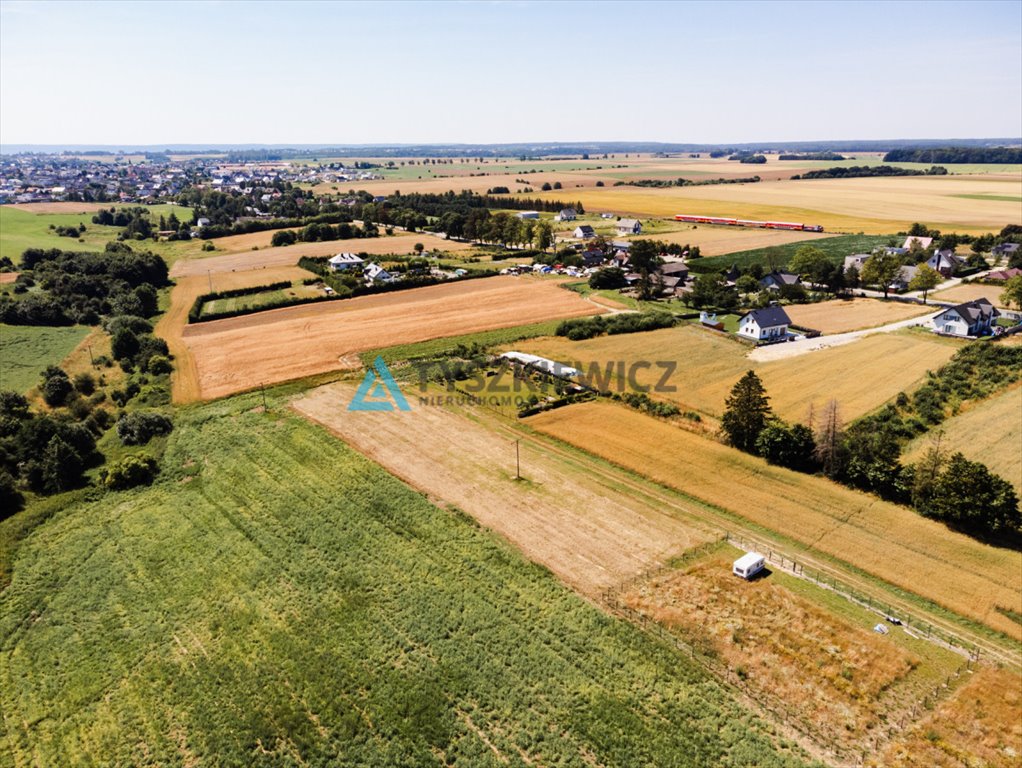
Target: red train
x=747 y=223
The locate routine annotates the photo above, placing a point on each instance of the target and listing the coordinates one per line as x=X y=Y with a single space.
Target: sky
x=491 y=72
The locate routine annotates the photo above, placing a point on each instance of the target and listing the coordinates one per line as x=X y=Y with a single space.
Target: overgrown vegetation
x=861 y=171
x=581 y=328
x=955 y=155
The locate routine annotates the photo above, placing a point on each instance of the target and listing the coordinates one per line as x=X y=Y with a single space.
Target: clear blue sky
x=319 y=72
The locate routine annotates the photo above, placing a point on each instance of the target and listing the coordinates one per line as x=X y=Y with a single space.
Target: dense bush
x=637 y=322
x=139 y=428
x=130 y=472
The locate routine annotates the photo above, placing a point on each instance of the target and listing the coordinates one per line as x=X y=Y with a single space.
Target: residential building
x=584 y=232
x=767 y=324
x=974 y=318
x=629 y=226
x=568 y=214
x=779 y=279
x=345 y=261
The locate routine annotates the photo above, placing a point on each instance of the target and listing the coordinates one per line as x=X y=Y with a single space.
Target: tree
x=418 y=248
x=61 y=466
x=828 y=437
x=124 y=345
x=56 y=387
x=543 y=235
x=747 y=284
x=810 y=262
x=747 y=410
x=644 y=258
x=969 y=496
x=925 y=279
x=608 y=277
x=787 y=445
x=1012 y=294
x=880 y=269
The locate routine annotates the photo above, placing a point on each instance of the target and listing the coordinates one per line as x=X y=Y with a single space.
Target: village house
x=1005 y=249
x=374 y=273
x=568 y=214
x=584 y=232
x=856 y=260
x=944 y=262
x=629 y=227
x=767 y=324
x=924 y=242
x=974 y=318
x=1002 y=275
x=900 y=283
x=345 y=261
x=778 y=279
x=676 y=269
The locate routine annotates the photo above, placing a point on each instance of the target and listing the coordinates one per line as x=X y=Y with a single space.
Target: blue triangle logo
x=378 y=391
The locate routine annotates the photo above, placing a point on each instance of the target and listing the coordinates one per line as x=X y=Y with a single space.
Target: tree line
x=955 y=155
x=865 y=455
x=857 y=171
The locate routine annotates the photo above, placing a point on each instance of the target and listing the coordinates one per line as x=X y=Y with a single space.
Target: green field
x=278 y=599
x=26 y=350
x=271 y=298
x=1001 y=198
x=836 y=249
x=21 y=229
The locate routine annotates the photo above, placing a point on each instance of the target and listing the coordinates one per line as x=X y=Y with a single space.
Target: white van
x=748 y=565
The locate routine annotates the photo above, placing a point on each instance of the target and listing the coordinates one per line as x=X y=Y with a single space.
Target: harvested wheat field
x=839 y=316
x=820 y=669
x=979 y=725
x=862 y=375
x=289 y=254
x=172 y=324
x=869 y=205
x=989 y=431
x=970 y=292
x=283 y=344
x=590 y=534
x=888 y=541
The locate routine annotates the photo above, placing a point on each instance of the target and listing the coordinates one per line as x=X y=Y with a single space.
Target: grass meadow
x=26 y=350
x=276 y=598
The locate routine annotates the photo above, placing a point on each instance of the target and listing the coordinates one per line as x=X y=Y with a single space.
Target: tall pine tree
x=747 y=412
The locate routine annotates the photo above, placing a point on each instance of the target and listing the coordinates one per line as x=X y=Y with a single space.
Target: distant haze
x=262 y=73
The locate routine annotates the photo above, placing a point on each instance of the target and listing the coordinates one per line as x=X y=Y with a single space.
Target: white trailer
x=748 y=565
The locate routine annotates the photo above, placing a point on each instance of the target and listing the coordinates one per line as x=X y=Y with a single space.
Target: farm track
x=623 y=477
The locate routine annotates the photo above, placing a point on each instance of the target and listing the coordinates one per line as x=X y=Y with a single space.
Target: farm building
x=584 y=232
x=343 y=261
x=1005 y=249
x=767 y=324
x=542 y=364
x=629 y=226
x=676 y=269
x=856 y=260
x=974 y=318
x=527 y=214
x=568 y=214
x=778 y=279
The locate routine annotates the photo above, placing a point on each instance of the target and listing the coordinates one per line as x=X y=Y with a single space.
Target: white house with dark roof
x=343 y=261
x=945 y=262
x=374 y=273
x=584 y=232
x=629 y=226
x=568 y=214
x=973 y=318
x=767 y=324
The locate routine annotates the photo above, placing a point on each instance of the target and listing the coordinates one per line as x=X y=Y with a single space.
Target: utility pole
x=91 y=358
x=209 y=274
x=518 y=461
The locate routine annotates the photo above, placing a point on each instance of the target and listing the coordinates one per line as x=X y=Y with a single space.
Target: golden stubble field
x=870 y=205
x=861 y=375
x=840 y=316
x=989 y=431
x=591 y=534
x=278 y=345
x=971 y=292
x=885 y=540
